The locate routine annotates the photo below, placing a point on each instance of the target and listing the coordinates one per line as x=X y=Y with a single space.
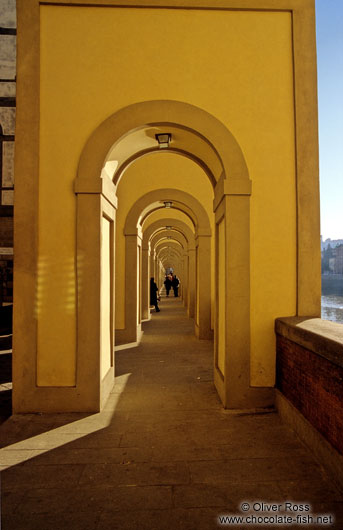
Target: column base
x=106 y=386
x=202 y=333
x=128 y=335
x=234 y=396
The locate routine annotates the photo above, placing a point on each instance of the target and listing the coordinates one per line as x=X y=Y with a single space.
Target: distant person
x=168 y=284
x=175 y=285
x=154 y=295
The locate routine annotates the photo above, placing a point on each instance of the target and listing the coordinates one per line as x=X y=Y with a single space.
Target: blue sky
x=329 y=14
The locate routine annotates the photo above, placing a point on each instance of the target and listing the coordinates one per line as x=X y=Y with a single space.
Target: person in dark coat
x=175 y=285
x=154 y=294
x=168 y=284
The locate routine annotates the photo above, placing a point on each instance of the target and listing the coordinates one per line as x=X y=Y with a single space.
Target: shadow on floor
x=162 y=455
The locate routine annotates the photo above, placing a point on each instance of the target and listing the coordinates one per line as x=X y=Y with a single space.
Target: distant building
x=338 y=260
x=332 y=242
x=332 y=260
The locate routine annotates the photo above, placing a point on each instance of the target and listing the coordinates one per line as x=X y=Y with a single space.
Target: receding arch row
x=154 y=207
x=176 y=224
x=134 y=237
x=186 y=203
x=158 y=227
x=93 y=233
x=171 y=252
x=165 y=236
x=169 y=233
x=172 y=248
x=231 y=206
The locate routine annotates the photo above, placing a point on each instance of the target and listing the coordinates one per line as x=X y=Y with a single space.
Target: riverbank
x=332 y=297
x=332 y=284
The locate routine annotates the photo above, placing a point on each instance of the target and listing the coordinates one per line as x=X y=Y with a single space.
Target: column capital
x=103 y=186
x=231 y=186
x=202 y=237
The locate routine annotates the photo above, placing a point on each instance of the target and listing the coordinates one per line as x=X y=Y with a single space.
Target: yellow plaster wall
x=273 y=269
x=237 y=65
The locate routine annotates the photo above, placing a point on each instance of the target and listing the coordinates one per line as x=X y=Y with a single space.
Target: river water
x=332 y=298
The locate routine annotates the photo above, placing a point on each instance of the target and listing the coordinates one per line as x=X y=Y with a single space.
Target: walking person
x=168 y=284
x=175 y=285
x=154 y=295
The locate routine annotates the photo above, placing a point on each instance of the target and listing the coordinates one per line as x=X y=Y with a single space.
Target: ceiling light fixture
x=163 y=139
x=168 y=227
x=168 y=204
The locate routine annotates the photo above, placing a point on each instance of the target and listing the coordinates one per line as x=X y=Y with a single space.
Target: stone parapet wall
x=7 y=99
x=7 y=133
x=309 y=368
x=6 y=227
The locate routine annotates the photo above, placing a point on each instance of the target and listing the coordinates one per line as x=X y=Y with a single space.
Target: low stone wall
x=6 y=226
x=310 y=372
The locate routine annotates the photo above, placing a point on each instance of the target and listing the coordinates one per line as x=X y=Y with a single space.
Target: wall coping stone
x=322 y=337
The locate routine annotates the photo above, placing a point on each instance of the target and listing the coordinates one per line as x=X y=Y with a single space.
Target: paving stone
x=163 y=454
x=11 y=501
x=189 y=453
x=150 y=400
x=47 y=440
x=26 y=476
x=221 y=495
x=204 y=518
x=335 y=509
x=9 y=458
x=136 y=474
x=319 y=490
x=177 y=416
x=259 y=449
x=51 y=521
x=96 y=499
x=253 y=470
x=93 y=422
x=107 y=455
x=141 y=520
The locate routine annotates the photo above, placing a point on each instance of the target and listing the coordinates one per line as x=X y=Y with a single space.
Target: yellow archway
x=134 y=267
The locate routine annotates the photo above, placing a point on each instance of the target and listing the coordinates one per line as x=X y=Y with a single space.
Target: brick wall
x=6 y=231
x=309 y=380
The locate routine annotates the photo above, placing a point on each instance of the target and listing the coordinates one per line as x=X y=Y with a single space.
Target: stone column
x=232 y=317
x=203 y=287
x=94 y=305
x=145 y=283
x=133 y=330
x=191 y=282
x=160 y=274
x=184 y=286
x=156 y=268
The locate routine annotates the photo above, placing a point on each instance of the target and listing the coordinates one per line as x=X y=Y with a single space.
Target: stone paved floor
x=163 y=455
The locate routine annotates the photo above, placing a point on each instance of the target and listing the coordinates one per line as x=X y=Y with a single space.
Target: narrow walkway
x=163 y=455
